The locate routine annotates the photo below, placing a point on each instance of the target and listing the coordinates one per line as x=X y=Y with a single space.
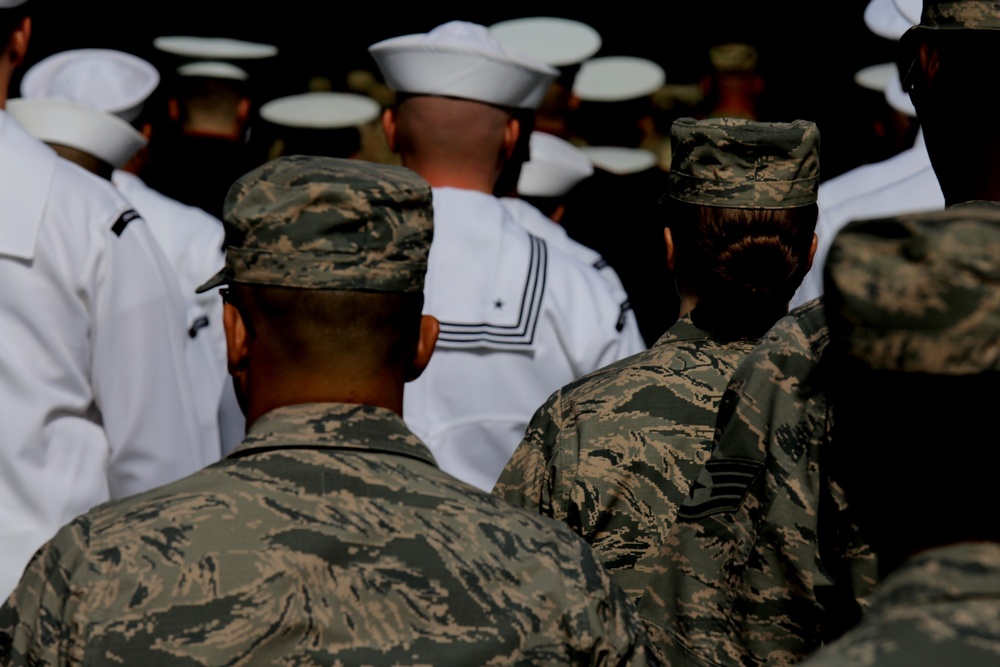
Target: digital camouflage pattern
x=942 y=607
x=326 y=223
x=612 y=454
x=739 y=163
x=328 y=537
x=959 y=15
x=763 y=562
x=918 y=293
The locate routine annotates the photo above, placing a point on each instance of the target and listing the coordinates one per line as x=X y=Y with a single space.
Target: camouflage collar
x=682 y=329
x=333 y=426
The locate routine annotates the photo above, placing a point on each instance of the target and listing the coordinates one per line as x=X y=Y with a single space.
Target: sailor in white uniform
x=112 y=85
x=518 y=316
x=905 y=183
x=94 y=391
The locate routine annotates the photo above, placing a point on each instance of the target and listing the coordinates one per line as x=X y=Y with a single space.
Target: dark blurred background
x=808 y=51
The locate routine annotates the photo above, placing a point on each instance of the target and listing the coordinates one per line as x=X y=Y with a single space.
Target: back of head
x=941 y=62
x=913 y=308
x=326 y=260
x=459 y=87
x=742 y=218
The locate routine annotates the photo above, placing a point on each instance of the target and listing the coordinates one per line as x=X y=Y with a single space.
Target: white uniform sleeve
x=141 y=383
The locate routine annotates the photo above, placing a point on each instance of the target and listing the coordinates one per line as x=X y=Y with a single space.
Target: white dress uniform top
x=518 y=317
x=94 y=391
x=192 y=241
x=81 y=98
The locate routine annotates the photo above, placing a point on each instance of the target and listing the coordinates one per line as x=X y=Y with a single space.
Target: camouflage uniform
x=940 y=608
x=329 y=536
x=613 y=454
x=913 y=306
x=750 y=574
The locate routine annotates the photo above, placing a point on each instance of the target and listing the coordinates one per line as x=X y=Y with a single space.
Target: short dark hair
x=313 y=324
x=742 y=264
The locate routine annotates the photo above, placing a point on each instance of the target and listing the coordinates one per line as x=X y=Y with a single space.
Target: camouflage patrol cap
x=918 y=293
x=326 y=223
x=958 y=15
x=738 y=163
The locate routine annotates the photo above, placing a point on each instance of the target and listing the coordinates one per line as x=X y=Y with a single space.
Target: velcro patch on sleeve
x=721 y=487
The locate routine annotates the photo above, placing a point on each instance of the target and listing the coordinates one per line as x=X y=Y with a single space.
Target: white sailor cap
x=617 y=79
x=98 y=133
x=214 y=48
x=875 y=77
x=113 y=81
x=619 y=159
x=213 y=69
x=321 y=110
x=885 y=20
x=10 y=4
x=554 y=41
x=461 y=59
x=911 y=9
x=555 y=167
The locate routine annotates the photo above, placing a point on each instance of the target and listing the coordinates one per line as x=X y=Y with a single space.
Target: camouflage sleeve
x=744 y=579
x=534 y=478
x=620 y=638
x=35 y=622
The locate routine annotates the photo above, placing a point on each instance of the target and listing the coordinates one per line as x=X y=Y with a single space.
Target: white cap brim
x=617 y=79
x=214 y=48
x=94 y=132
x=321 y=110
x=214 y=69
x=555 y=167
x=620 y=160
x=875 y=77
x=555 y=41
x=910 y=9
x=463 y=60
x=105 y=79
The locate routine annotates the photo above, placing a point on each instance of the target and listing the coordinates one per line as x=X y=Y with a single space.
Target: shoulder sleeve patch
x=123 y=220
x=720 y=487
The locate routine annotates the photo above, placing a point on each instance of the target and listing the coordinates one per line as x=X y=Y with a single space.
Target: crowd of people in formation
x=478 y=361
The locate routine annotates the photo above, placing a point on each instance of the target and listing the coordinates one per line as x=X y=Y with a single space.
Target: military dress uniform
x=519 y=318
x=613 y=454
x=95 y=391
x=764 y=561
x=328 y=536
x=535 y=223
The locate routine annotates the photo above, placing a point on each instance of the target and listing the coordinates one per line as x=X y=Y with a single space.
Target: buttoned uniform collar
x=345 y=426
x=682 y=329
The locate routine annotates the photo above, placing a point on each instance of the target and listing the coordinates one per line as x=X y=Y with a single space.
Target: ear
x=557 y=215
x=510 y=134
x=174 y=109
x=812 y=252
x=147 y=131
x=237 y=340
x=17 y=48
x=389 y=127
x=669 y=239
x=429 y=330
x=243 y=110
